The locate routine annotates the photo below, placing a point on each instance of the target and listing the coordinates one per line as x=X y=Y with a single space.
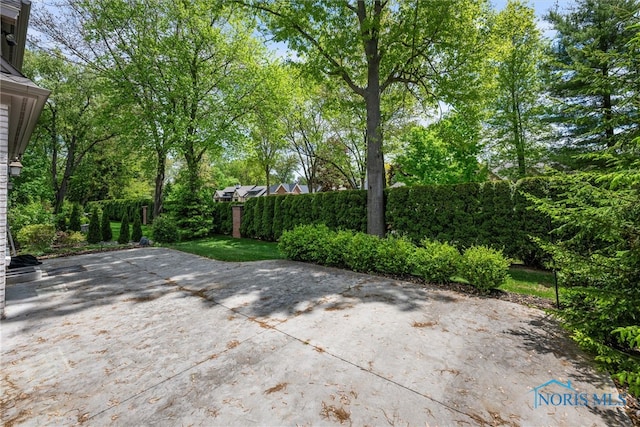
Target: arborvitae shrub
x=105 y=228
x=94 y=235
x=222 y=221
x=123 y=238
x=246 y=227
x=74 y=219
x=266 y=224
x=136 y=231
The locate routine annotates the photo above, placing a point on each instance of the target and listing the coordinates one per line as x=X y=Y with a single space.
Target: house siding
x=4 y=164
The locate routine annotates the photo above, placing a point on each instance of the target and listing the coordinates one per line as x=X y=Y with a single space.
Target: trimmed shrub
x=361 y=252
x=115 y=209
x=94 y=235
x=334 y=250
x=484 y=267
x=222 y=220
x=305 y=243
x=123 y=237
x=435 y=262
x=136 y=230
x=36 y=237
x=165 y=230
x=393 y=255
x=75 y=219
x=105 y=228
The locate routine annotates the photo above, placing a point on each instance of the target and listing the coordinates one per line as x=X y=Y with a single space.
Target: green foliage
x=515 y=121
x=115 y=209
x=69 y=239
x=334 y=249
x=31 y=213
x=435 y=262
x=361 y=254
x=75 y=219
x=105 y=228
x=305 y=243
x=394 y=255
x=123 y=237
x=165 y=230
x=136 y=231
x=593 y=77
x=484 y=268
x=94 y=235
x=443 y=153
x=36 y=237
x=222 y=218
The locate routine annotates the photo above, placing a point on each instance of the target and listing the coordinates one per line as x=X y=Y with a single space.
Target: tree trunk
x=375 y=161
x=158 y=194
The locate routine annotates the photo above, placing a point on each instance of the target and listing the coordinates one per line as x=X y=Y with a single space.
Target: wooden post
x=236 y=213
x=144 y=215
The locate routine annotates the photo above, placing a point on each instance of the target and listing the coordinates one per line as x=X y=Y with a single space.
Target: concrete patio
x=158 y=337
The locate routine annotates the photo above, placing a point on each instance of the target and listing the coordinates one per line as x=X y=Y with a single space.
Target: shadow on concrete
x=546 y=336
x=256 y=289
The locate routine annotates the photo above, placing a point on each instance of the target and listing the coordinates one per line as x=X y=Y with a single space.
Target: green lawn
x=115 y=230
x=225 y=248
x=530 y=282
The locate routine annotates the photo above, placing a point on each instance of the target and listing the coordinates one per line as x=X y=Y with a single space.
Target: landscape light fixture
x=10 y=38
x=15 y=167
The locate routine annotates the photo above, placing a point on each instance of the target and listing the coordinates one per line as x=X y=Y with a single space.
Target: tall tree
x=590 y=73
x=271 y=100
x=373 y=45
x=516 y=52
x=73 y=121
x=184 y=67
x=442 y=153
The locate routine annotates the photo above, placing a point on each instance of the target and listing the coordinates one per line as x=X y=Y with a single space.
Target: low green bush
x=69 y=238
x=362 y=252
x=484 y=267
x=335 y=248
x=165 y=230
x=435 y=262
x=394 y=255
x=36 y=237
x=306 y=243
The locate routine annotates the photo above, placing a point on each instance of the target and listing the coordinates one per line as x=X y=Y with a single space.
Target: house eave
x=26 y=101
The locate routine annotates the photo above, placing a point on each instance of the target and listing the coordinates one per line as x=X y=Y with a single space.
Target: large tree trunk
x=158 y=194
x=375 y=160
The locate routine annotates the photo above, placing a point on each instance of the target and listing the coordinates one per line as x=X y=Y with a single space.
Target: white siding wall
x=4 y=162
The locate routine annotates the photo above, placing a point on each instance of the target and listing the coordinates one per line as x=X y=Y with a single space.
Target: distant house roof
x=243 y=192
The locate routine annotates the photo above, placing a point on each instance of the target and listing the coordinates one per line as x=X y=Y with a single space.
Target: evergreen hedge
x=494 y=214
x=117 y=208
x=222 y=218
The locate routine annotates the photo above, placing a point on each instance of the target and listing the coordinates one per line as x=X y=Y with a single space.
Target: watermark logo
x=557 y=393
